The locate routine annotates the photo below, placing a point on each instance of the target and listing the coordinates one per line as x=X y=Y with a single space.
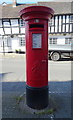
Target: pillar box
x=36 y=34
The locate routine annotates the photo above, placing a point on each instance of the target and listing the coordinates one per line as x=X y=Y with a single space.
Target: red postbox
x=36 y=34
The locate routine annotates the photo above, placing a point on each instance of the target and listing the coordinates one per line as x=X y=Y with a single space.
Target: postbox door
x=37 y=69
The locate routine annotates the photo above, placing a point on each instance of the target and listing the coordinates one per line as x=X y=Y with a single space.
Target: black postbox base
x=37 y=98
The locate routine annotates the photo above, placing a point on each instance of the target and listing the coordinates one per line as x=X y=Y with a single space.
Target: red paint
x=36 y=58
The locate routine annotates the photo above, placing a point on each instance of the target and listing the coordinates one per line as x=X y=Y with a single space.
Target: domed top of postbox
x=32 y=12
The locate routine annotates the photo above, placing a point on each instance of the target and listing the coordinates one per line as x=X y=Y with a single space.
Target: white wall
x=15 y=43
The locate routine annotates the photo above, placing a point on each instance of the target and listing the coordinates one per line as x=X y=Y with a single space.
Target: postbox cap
x=32 y=12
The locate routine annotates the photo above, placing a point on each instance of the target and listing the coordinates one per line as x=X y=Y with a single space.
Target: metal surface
x=61 y=47
x=36 y=25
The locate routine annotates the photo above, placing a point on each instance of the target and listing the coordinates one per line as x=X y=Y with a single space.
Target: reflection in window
x=56 y=28
x=56 y=20
x=14 y=22
x=49 y=29
x=67 y=27
x=60 y=28
x=0 y=41
x=63 y=28
x=6 y=24
x=68 y=40
x=71 y=18
x=63 y=18
x=67 y=19
x=0 y=23
x=8 y=42
x=56 y=23
x=1 y=31
x=70 y=27
x=53 y=41
x=22 y=41
x=22 y=23
x=59 y=20
x=51 y=23
x=52 y=29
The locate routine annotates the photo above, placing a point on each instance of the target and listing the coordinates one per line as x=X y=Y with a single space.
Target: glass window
x=53 y=41
x=59 y=20
x=71 y=18
x=22 y=41
x=51 y=22
x=63 y=28
x=56 y=28
x=67 y=19
x=1 y=31
x=14 y=22
x=0 y=23
x=70 y=27
x=5 y=42
x=60 y=28
x=56 y=20
x=68 y=40
x=63 y=18
x=0 y=41
x=49 y=30
x=67 y=27
x=6 y=24
x=22 y=23
x=8 y=42
x=52 y=29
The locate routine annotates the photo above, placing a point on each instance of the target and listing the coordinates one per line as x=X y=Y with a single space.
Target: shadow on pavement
x=2 y=75
x=66 y=59
x=61 y=93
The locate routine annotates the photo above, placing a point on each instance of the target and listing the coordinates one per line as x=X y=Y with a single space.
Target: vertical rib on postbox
x=36 y=34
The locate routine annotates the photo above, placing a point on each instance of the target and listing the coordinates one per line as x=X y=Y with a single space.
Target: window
x=6 y=24
x=63 y=18
x=52 y=29
x=1 y=31
x=22 y=26
x=67 y=18
x=22 y=41
x=71 y=18
x=0 y=23
x=53 y=41
x=68 y=40
x=22 y=23
x=14 y=22
x=0 y=41
x=70 y=28
x=51 y=23
x=8 y=42
x=60 y=23
x=4 y=40
x=56 y=23
x=67 y=27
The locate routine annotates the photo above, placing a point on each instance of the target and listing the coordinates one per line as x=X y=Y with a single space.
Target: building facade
x=12 y=28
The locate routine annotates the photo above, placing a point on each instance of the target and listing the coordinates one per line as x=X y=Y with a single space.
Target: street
x=15 y=67
x=13 y=74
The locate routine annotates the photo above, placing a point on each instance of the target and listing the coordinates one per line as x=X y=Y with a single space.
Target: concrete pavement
x=13 y=86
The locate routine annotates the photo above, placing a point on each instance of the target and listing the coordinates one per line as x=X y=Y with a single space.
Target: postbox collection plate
x=36 y=40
